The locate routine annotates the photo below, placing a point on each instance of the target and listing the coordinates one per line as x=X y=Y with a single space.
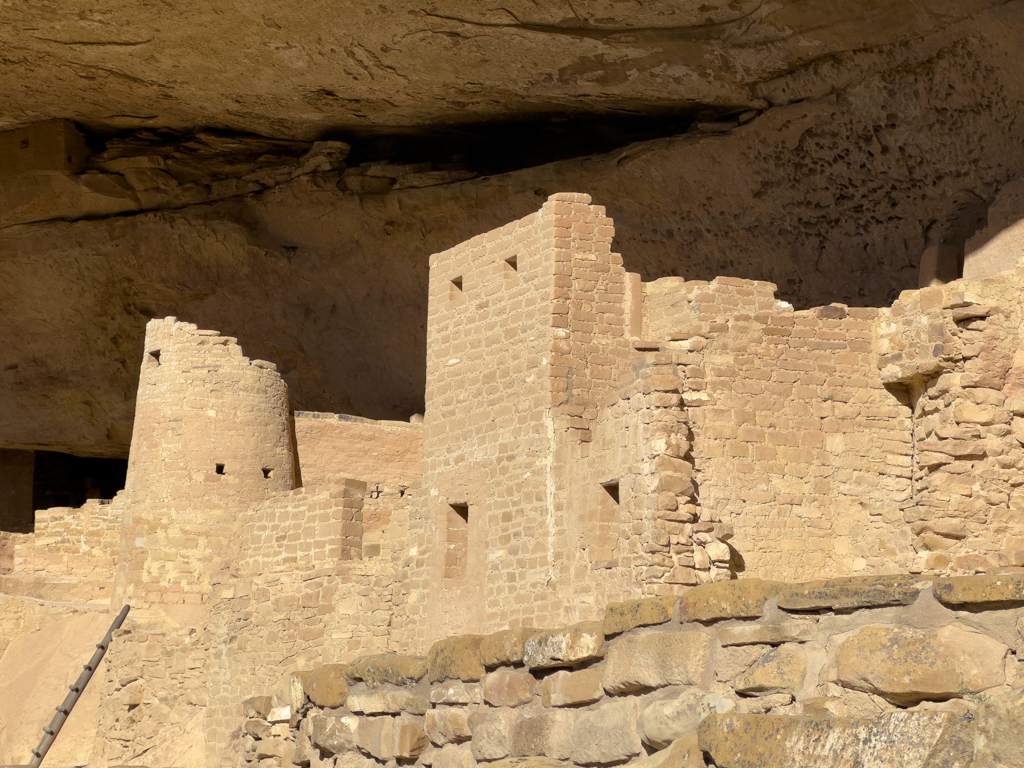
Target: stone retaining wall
x=898 y=670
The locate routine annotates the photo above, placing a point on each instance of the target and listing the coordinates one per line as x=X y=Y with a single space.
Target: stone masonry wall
x=897 y=670
x=954 y=350
x=798 y=446
x=73 y=551
x=309 y=527
x=333 y=446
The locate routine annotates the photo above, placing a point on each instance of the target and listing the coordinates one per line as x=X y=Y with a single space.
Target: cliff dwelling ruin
x=545 y=386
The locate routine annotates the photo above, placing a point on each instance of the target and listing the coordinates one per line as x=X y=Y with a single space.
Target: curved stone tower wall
x=212 y=436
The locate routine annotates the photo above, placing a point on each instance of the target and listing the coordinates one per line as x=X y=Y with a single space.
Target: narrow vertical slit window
x=605 y=526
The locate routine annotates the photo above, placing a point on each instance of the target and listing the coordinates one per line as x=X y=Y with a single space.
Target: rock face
x=280 y=71
x=907 y=665
x=328 y=280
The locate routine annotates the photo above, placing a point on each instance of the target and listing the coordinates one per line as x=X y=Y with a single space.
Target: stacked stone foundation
x=898 y=670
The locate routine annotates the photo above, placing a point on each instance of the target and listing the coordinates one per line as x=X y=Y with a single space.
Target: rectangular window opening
x=612 y=489
x=462 y=510
x=219 y=468
x=155 y=354
x=456 y=540
x=512 y=265
x=267 y=473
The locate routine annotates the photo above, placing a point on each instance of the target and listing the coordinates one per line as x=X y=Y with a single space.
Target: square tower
x=526 y=340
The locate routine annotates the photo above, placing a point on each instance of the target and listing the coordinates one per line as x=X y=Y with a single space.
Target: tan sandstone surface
x=282 y=71
x=834 y=198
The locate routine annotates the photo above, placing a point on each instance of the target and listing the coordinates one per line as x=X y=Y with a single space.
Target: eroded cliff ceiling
x=282 y=171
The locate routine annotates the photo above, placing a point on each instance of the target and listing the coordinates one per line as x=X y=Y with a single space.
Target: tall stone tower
x=212 y=436
x=527 y=340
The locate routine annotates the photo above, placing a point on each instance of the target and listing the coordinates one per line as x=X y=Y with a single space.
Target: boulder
x=607 y=734
x=895 y=740
x=654 y=659
x=327 y=686
x=978 y=590
x=509 y=688
x=445 y=725
x=850 y=592
x=387 y=738
x=387 y=703
x=454 y=756
x=682 y=753
x=389 y=668
x=742 y=599
x=665 y=721
x=563 y=688
x=620 y=617
x=781 y=669
x=257 y=706
x=333 y=734
x=492 y=732
x=1000 y=730
x=456 y=692
x=505 y=647
x=456 y=658
x=565 y=647
x=547 y=733
x=906 y=665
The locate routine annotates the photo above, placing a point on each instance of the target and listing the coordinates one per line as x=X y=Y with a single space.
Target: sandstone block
x=781 y=669
x=895 y=740
x=327 y=686
x=303 y=750
x=682 y=753
x=333 y=734
x=388 y=668
x=1000 y=726
x=257 y=706
x=741 y=599
x=492 y=732
x=527 y=762
x=454 y=756
x=620 y=617
x=759 y=705
x=272 y=747
x=655 y=659
x=973 y=413
x=564 y=647
x=445 y=725
x=607 y=734
x=662 y=722
x=505 y=647
x=733 y=660
x=456 y=658
x=257 y=728
x=509 y=688
x=456 y=692
x=967 y=590
x=387 y=703
x=850 y=592
x=767 y=634
x=907 y=665
x=563 y=689
x=547 y=733
x=387 y=738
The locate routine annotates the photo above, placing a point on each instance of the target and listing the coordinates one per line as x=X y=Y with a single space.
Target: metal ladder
x=64 y=710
